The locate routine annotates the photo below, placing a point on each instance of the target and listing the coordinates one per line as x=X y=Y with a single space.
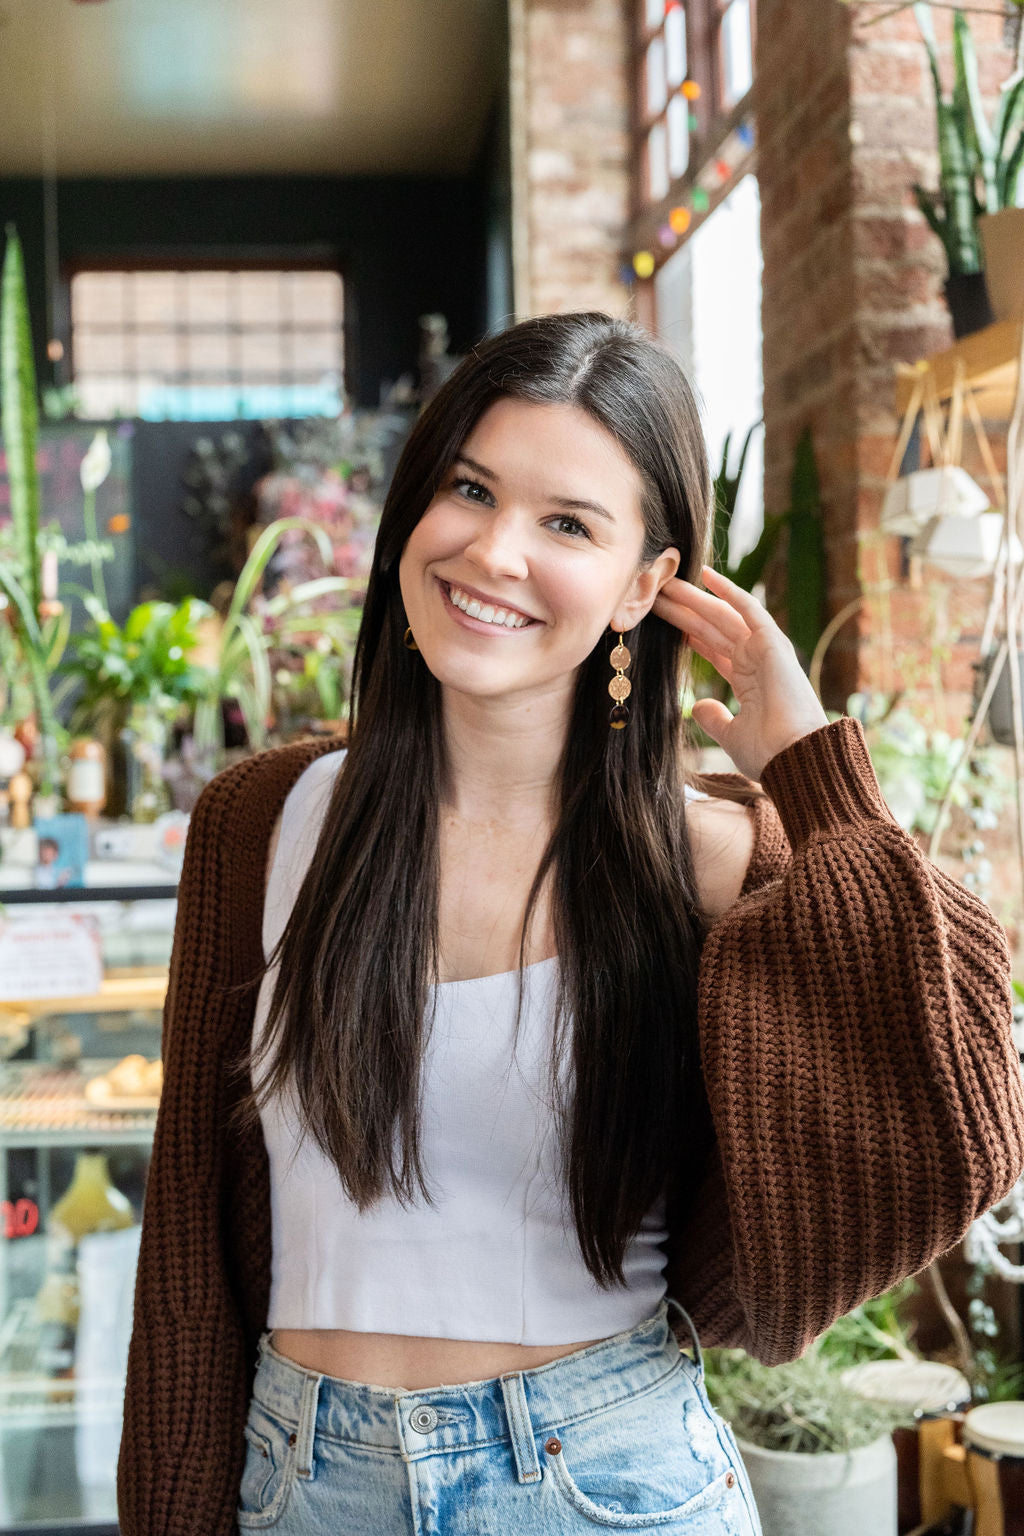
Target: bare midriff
x=407 y=1362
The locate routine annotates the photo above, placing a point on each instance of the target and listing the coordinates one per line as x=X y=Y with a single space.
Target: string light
x=700 y=200
x=745 y=134
x=679 y=218
x=692 y=122
x=643 y=263
x=723 y=170
x=691 y=90
x=667 y=236
x=626 y=275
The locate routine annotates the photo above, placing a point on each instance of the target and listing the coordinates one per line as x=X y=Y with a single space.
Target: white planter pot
x=839 y=1493
x=1002 y=239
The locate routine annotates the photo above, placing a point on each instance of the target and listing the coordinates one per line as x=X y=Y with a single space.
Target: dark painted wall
x=403 y=245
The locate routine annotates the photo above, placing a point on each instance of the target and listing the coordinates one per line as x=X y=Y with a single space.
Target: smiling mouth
x=484 y=611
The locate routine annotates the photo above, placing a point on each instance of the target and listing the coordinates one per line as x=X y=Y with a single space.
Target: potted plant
x=135 y=680
x=971 y=153
x=819 y=1455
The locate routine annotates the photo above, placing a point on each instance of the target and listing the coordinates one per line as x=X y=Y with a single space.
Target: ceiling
x=226 y=87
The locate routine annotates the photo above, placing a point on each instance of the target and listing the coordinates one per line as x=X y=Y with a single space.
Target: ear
x=638 y=601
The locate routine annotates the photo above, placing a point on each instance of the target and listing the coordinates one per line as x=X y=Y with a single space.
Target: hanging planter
x=965 y=547
x=912 y=501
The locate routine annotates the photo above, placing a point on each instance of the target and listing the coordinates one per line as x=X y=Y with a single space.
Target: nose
x=497 y=549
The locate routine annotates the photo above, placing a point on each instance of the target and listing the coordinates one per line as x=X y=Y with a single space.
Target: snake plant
x=20 y=425
x=973 y=153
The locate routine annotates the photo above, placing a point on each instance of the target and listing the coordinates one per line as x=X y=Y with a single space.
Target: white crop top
x=496 y=1256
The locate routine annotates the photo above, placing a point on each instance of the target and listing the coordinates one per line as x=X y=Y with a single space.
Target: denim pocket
x=652 y=1460
x=269 y=1471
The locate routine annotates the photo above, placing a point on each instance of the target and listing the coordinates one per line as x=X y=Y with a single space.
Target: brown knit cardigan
x=854 y=1009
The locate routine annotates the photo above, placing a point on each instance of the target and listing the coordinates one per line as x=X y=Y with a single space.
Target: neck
x=503 y=755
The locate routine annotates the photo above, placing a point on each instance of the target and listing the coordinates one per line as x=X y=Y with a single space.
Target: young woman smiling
x=503 y=1052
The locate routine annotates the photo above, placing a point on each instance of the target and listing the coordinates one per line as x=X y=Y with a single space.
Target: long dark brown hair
x=348 y=1016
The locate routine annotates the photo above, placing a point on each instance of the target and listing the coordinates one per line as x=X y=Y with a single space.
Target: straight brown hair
x=348 y=1016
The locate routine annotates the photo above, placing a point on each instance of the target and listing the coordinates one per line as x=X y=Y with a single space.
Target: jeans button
x=423 y=1419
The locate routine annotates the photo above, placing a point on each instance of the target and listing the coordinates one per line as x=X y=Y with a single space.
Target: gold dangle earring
x=408 y=640
x=620 y=687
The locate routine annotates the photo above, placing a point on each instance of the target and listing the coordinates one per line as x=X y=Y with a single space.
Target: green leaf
x=978 y=135
x=20 y=414
x=261 y=553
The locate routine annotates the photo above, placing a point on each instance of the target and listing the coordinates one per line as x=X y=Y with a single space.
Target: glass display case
x=79 y=1087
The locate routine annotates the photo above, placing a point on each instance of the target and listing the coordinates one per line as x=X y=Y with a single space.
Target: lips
x=485 y=599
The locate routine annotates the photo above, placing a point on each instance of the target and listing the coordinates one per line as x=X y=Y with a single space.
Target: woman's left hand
x=742 y=641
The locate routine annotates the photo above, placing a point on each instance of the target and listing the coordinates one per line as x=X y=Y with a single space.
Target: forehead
x=555 y=450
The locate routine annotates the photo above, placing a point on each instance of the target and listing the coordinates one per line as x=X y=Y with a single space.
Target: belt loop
x=698 y=1357
x=306 y=1433
x=520 y=1427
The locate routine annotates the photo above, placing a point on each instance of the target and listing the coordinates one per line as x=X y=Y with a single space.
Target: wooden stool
x=993 y=1439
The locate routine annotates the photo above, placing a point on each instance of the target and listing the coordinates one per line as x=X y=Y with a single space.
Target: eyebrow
x=570 y=502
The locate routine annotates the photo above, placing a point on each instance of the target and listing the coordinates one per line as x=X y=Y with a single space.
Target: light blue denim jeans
x=617 y=1435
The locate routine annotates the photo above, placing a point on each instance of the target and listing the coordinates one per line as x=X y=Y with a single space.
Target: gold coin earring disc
x=620 y=686
x=408 y=641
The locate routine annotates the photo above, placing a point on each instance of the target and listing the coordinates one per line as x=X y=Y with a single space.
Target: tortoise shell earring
x=408 y=640
x=620 y=687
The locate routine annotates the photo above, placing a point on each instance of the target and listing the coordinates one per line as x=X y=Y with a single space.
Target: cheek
x=582 y=594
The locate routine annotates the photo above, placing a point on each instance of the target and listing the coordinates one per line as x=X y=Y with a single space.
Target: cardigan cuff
x=825 y=782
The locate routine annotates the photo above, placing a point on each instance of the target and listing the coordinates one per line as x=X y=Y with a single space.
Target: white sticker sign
x=50 y=957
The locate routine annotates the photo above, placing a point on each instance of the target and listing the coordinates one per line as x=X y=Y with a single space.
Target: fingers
x=745 y=603
x=701 y=636
x=701 y=614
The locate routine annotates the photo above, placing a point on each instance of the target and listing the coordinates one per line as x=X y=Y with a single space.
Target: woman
x=558 y=1057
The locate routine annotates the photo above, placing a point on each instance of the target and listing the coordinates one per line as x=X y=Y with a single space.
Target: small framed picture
x=63 y=850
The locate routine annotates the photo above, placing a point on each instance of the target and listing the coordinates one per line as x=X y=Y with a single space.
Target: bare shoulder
x=722 y=842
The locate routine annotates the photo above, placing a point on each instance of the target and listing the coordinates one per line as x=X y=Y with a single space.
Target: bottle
x=92 y=1203
x=86 y=789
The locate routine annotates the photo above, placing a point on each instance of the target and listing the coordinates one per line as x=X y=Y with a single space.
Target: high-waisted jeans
x=618 y=1435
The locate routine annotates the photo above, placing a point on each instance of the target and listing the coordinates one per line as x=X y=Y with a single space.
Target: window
x=200 y=344
x=737 y=53
x=708 y=298
x=697 y=63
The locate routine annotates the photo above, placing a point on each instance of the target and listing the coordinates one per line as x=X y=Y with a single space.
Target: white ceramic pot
x=843 y=1493
x=1002 y=238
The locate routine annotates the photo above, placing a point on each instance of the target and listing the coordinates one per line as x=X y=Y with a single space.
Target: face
x=528 y=552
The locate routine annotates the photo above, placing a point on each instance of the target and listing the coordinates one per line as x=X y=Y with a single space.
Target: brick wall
x=805 y=174
x=570 y=127
x=852 y=283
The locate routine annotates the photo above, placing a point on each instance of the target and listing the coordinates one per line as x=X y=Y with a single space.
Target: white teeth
x=486 y=612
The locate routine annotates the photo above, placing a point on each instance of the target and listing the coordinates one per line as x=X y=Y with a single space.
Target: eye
x=475 y=485
x=571 y=525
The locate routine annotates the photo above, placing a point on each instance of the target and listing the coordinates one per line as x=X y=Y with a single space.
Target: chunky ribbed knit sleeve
x=855 y=1016
x=200 y=1293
